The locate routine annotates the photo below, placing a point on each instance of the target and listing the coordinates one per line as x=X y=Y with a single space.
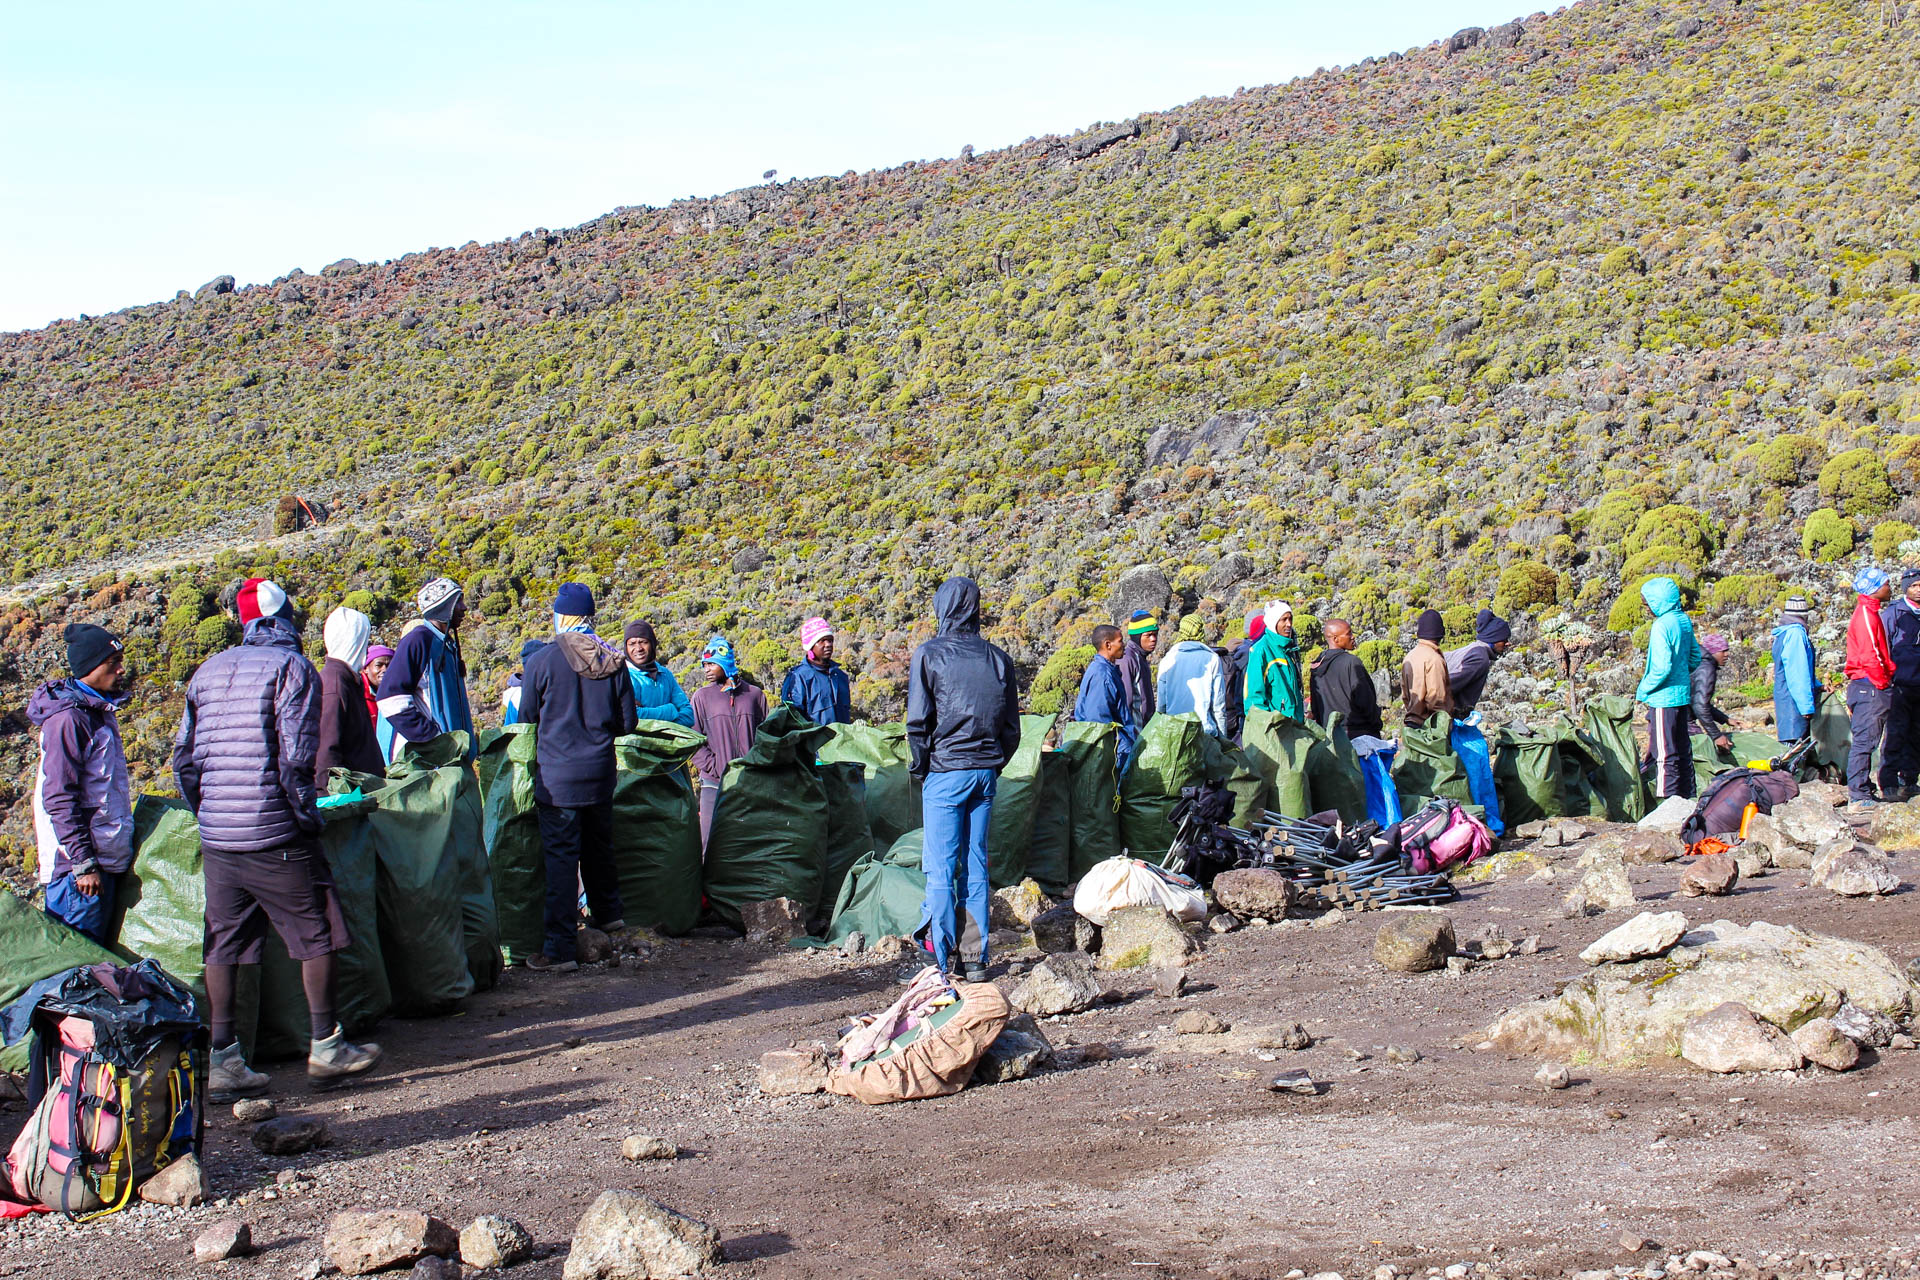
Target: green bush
x=1625 y=260
x=769 y=656
x=1378 y=655
x=1789 y=460
x=1673 y=525
x=1828 y=536
x=1888 y=536
x=1058 y=680
x=1856 y=483
x=1744 y=590
x=1524 y=585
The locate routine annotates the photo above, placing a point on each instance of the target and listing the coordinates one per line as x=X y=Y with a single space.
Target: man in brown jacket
x=1423 y=676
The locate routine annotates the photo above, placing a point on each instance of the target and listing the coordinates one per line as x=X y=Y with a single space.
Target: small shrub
x=1744 y=590
x=1625 y=260
x=1888 y=536
x=1789 y=460
x=1524 y=585
x=1058 y=679
x=1828 y=536
x=1377 y=655
x=1856 y=483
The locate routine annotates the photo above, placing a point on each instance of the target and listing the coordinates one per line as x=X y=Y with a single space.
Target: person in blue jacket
x=1794 y=689
x=818 y=686
x=1103 y=693
x=657 y=695
x=1667 y=688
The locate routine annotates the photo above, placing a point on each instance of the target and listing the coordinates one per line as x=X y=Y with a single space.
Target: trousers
x=1867 y=707
x=1670 y=747
x=955 y=807
x=578 y=844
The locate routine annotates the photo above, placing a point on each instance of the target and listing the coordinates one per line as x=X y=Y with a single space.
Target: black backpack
x=1721 y=807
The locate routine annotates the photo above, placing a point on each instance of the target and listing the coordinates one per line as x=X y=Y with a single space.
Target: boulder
x=1710 y=876
x=1017 y=1052
x=1825 y=1045
x=1778 y=849
x=1865 y=1027
x=1809 y=823
x=491 y=1241
x=1648 y=934
x=1142 y=587
x=1200 y=1022
x=801 y=1069
x=1853 y=870
x=1636 y=1010
x=1414 y=941
x=1642 y=846
x=1603 y=887
x=774 y=922
x=749 y=559
x=1228 y=572
x=217 y=285
x=1168 y=983
x=433 y=1267
x=591 y=946
x=1751 y=863
x=1016 y=906
x=181 y=1184
x=1729 y=1037
x=1254 y=891
x=1062 y=983
x=628 y=1236
x=289 y=1135
x=647 y=1146
x=227 y=1238
x=1895 y=828
x=1668 y=816
x=1136 y=937
x=362 y=1241
x=1061 y=928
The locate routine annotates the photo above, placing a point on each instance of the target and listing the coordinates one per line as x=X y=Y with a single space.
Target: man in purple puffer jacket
x=244 y=758
x=82 y=799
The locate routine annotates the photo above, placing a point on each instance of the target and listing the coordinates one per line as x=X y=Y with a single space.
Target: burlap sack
x=937 y=1063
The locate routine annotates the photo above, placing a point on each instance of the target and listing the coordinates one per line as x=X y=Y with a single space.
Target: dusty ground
x=1169 y=1159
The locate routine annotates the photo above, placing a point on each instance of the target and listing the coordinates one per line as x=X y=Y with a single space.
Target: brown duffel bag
x=935 y=1058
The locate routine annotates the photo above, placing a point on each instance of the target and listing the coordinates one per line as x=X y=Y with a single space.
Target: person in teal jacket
x=1667 y=688
x=656 y=694
x=1796 y=694
x=1273 y=667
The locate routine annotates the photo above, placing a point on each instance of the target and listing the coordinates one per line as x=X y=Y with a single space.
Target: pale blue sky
x=149 y=147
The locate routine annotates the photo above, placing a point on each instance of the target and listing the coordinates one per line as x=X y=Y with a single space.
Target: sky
x=150 y=147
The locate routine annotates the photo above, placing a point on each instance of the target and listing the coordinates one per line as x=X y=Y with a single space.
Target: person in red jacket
x=1869 y=683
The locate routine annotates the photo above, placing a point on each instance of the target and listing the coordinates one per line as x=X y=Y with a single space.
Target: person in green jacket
x=1667 y=689
x=1273 y=666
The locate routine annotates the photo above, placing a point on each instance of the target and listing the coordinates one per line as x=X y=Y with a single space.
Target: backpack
x=931 y=1060
x=1723 y=805
x=1441 y=836
x=115 y=1072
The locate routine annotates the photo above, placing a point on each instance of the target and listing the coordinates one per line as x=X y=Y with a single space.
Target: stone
x=289 y=1135
x=181 y=1184
x=1631 y=1242
x=1668 y=816
x=1809 y=823
x=628 y=1236
x=433 y=1267
x=1825 y=1045
x=774 y=922
x=1223 y=922
x=1292 y=1038
x=1062 y=983
x=1402 y=1054
x=491 y=1241
x=217 y=285
x=890 y=948
x=1853 y=870
x=1200 y=1022
x=1144 y=586
x=1017 y=1052
x=1894 y=828
x=1062 y=929
x=1414 y=941
x=1830 y=794
x=749 y=559
x=1254 y=891
x=1874 y=1030
x=591 y=946
x=646 y=1146
x=1650 y=933
x=362 y=1241
x=786 y=1073
x=1168 y=983
x=1643 y=847
x=1730 y=1038
x=1136 y=937
x=853 y=944
x=1298 y=1081
x=1551 y=1076
x=1711 y=876
x=1015 y=906
x=1775 y=848
x=227 y=1238
x=1604 y=887
x=1637 y=1010
x=1458 y=965
x=254 y=1110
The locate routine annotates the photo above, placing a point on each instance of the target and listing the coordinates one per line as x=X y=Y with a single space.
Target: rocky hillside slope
x=1525 y=315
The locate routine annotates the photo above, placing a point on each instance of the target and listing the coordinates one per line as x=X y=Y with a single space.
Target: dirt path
x=1169 y=1159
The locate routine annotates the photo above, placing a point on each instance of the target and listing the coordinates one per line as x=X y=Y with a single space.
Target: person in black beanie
x=1423 y=676
x=82 y=796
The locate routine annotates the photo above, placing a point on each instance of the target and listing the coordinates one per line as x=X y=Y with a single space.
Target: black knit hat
x=641 y=631
x=1430 y=625
x=88 y=646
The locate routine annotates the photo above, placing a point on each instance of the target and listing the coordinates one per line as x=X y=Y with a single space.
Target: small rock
x=1331 y=918
x=1168 y=983
x=227 y=1238
x=774 y=922
x=1135 y=937
x=362 y=1241
x=645 y=1146
x=432 y=1267
x=1631 y=1242
x=891 y=948
x=1604 y=887
x=254 y=1110
x=591 y=946
x=1404 y=1054
x=1864 y=1026
x=1015 y=906
x=1648 y=934
x=1825 y=1045
x=491 y=1241
x=289 y=1135
x=1711 y=876
x=1853 y=870
x=1641 y=847
x=1223 y=922
x=181 y=1184
x=790 y=1072
x=1730 y=1038
x=1017 y=1052
x=1894 y=828
x=1551 y=1076
x=627 y=1236
x=1668 y=816
x=1529 y=945
x=853 y=944
x=1098 y=1051
x=1806 y=822
x=1902 y=1042
x=1200 y=1022
x=1254 y=891
x=1062 y=929
x=1750 y=862
x=1292 y=1038
x=1457 y=965
x=1295 y=1081
x=1414 y=942
x=1061 y=983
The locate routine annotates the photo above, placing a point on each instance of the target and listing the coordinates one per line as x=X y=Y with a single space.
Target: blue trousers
x=76 y=910
x=955 y=807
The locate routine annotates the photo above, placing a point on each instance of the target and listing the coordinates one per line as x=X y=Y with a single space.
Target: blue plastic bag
x=1383 y=798
x=1471 y=746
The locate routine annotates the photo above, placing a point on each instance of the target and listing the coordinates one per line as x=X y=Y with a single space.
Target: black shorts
x=290 y=888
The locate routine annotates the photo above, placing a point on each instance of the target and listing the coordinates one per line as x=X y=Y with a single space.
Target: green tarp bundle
x=849 y=836
x=883 y=894
x=1050 y=852
x=1228 y=764
x=163 y=896
x=656 y=827
x=1172 y=754
x=33 y=945
x=1608 y=726
x=1530 y=771
x=490 y=756
x=1093 y=791
x=1426 y=767
x=1016 y=799
x=893 y=797
x=510 y=829
x=1708 y=763
x=1277 y=748
x=454 y=778
x=770 y=827
x=1333 y=772
x=1832 y=734
x=422 y=882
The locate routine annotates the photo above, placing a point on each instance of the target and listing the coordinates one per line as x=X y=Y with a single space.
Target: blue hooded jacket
x=1103 y=700
x=825 y=696
x=1672 y=652
x=1902 y=621
x=657 y=695
x=1793 y=692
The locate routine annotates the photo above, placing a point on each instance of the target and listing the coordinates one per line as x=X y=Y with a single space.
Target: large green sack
x=1709 y=763
x=1172 y=754
x=1093 y=793
x=1832 y=735
x=1050 y=852
x=362 y=992
x=1277 y=748
x=770 y=826
x=1529 y=774
x=1016 y=799
x=849 y=835
x=446 y=756
x=1228 y=764
x=510 y=829
x=421 y=879
x=33 y=945
x=893 y=797
x=656 y=827
x=1333 y=772
x=163 y=897
x=883 y=894
x=490 y=756
x=1608 y=725
x=1426 y=768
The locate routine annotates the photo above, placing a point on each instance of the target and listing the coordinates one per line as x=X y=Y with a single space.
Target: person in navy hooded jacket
x=82 y=799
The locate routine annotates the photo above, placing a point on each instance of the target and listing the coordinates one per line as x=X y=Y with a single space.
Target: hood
x=347 y=633
x=272 y=631
x=1327 y=657
x=1489 y=628
x=957 y=605
x=1661 y=594
x=1187 y=646
x=1789 y=624
x=590 y=658
x=56 y=696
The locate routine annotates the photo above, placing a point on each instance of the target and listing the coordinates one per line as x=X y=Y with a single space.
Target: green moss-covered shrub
x=1789 y=460
x=1629 y=611
x=1856 y=483
x=1744 y=590
x=1524 y=585
x=1673 y=525
x=1378 y=655
x=1828 y=536
x=1058 y=681
x=1888 y=536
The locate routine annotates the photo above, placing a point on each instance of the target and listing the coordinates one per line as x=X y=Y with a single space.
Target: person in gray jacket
x=244 y=759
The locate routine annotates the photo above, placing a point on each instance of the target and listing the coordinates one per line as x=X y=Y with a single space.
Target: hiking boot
x=1862 y=805
x=229 y=1078
x=541 y=962
x=333 y=1060
x=976 y=973
x=611 y=926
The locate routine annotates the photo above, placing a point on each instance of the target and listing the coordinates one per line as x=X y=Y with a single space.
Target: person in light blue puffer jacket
x=1667 y=688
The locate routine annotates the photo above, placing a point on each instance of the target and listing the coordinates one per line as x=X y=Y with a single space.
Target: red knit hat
x=260 y=598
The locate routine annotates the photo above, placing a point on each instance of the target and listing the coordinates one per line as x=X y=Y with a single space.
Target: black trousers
x=1670 y=747
x=1900 y=753
x=578 y=844
x=1867 y=706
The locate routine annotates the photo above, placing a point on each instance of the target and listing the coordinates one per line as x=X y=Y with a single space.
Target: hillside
x=1527 y=313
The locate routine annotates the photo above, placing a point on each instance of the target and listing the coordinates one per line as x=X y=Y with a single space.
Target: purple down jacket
x=245 y=752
